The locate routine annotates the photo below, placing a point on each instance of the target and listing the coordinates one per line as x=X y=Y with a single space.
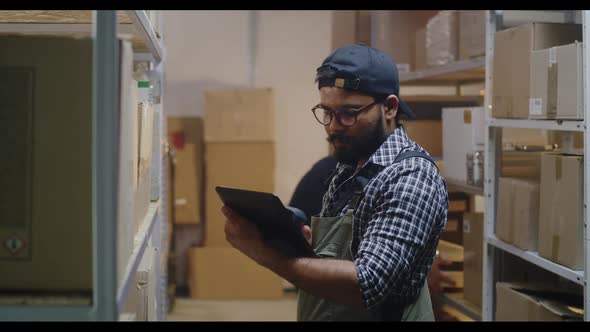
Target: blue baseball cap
x=364 y=69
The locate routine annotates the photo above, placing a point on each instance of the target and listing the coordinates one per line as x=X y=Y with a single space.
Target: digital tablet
x=279 y=226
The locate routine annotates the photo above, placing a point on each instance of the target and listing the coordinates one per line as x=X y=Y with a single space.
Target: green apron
x=332 y=238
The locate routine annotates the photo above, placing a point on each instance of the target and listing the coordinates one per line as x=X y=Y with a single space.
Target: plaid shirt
x=398 y=221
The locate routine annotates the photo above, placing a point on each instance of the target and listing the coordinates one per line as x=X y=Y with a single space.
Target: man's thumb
x=307 y=233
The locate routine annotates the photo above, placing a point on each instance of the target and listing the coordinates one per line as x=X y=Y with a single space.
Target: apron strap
x=360 y=182
x=411 y=154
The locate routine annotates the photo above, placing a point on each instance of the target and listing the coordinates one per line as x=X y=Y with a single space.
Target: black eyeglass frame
x=336 y=113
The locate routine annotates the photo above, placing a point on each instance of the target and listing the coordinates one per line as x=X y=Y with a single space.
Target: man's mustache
x=339 y=137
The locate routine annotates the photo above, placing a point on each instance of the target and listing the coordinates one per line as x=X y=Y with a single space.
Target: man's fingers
x=307 y=233
x=227 y=212
x=231 y=215
x=443 y=261
x=446 y=279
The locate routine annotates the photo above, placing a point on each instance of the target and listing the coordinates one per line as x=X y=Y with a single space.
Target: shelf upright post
x=105 y=151
x=163 y=212
x=586 y=101
x=493 y=150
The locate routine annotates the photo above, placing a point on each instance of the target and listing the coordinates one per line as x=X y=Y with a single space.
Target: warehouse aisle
x=187 y=309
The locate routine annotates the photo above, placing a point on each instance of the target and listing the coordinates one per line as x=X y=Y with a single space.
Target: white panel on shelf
x=127 y=162
x=462 y=134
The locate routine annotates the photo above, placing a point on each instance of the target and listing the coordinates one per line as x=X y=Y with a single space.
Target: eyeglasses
x=345 y=116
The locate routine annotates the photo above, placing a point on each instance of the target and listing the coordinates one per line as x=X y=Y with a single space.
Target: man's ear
x=391 y=107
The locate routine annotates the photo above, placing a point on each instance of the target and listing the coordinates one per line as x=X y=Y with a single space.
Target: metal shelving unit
x=457 y=302
x=107 y=296
x=464 y=70
x=533 y=257
x=453 y=74
x=538 y=124
x=492 y=171
x=464 y=187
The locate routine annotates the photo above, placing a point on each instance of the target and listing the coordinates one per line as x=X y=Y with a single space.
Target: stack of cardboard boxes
x=521 y=84
x=537 y=75
x=185 y=135
x=239 y=152
x=450 y=36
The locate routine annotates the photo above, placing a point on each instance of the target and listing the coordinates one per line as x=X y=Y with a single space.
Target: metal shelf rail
x=107 y=297
x=533 y=257
x=464 y=187
x=457 y=302
x=463 y=70
x=493 y=148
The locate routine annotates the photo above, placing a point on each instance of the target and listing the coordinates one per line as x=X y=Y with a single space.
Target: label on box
x=180 y=202
x=466 y=226
x=403 y=67
x=467 y=117
x=536 y=106
x=552 y=55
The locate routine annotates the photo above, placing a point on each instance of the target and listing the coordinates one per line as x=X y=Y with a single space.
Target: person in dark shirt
x=310 y=190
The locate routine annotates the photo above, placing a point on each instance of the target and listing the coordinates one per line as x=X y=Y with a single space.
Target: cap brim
x=406 y=110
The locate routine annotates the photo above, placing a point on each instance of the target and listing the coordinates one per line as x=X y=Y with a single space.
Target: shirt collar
x=393 y=145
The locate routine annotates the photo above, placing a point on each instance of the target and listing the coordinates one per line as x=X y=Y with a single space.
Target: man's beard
x=359 y=147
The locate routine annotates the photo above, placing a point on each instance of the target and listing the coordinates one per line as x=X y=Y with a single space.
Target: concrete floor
x=187 y=309
x=284 y=309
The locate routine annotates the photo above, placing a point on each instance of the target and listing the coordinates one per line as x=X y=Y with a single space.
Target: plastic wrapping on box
x=127 y=163
x=53 y=16
x=442 y=38
x=472 y=33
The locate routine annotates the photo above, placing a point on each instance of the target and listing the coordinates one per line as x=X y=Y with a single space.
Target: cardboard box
x=556 y=83
x=186 y=136
x=511 y=73
x=472 y=33
x=442 y=38
x=157 y=154
x=227 y=274
x=569 y=82
x=128 y=162
x=453 y=253
x=239 y=114
x=144 y=175
x=521 y=164
x=363 y=26
x=427 y=133
x=343 y=28
x=463 y=129
x=457 y=206
x=518 y=212
x=240 y=165
x=170 y=169
x=453 y=231
x=559 y=138
x=394 y=32
x=561 y=222
x=473 y=224
x=420 y=53
x=512 y=137
x=535 y=302
x=541 y=69
x=351 y=27
x=440 y=164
